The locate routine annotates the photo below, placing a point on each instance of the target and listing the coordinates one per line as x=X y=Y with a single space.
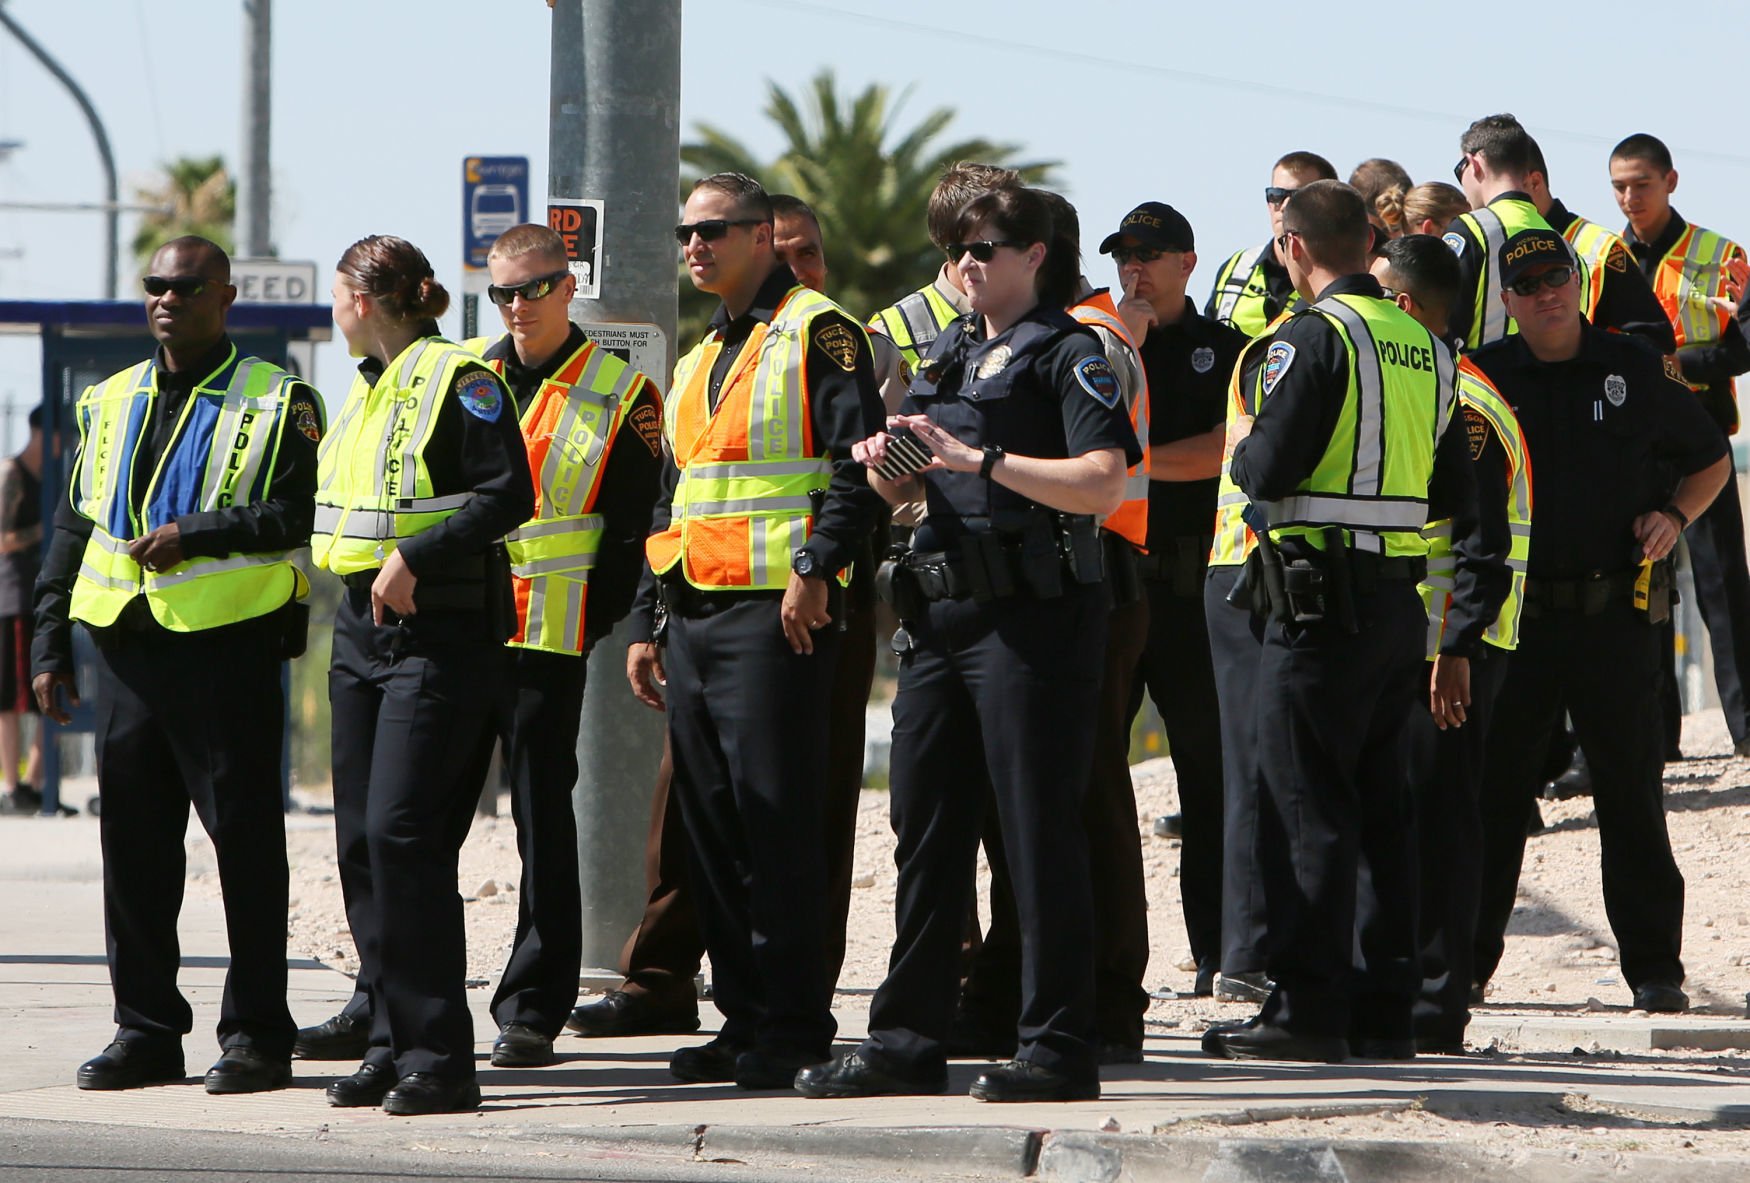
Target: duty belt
x=1180 y=561
x=1588 y=595
x=1369 y=571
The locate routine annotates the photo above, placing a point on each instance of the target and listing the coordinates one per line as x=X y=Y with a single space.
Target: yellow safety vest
x=1373 y=477
x=1690 y=272
x=1477 y=393
x=1492 y=226
x=749 y=470
x=1240 y=292
x=1130 y=520
x=1593 y=244
x=372 y=484
x=222 y=452
x=915 y=322
x=1233 y=538
x=569 y=429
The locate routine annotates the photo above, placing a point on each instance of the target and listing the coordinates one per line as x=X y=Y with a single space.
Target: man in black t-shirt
x=21 y=549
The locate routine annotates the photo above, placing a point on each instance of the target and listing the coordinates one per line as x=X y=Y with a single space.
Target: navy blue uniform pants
x=995 y=701
x=1235 y=637
x=415 y=707
x=193 y=718
x=747 y=722
x=1603 y=670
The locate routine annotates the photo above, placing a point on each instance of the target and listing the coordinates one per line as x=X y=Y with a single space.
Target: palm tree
x=195 y=195
x=867 y=178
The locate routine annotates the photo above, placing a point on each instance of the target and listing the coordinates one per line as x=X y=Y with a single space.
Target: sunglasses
x=1123 y=255
x=188 y=286
x=1555 y=277
x=538 y=288
x=1458 y=169
x=1282 y=239
x=1276 y=195
x=711 y=229
x=984 y=251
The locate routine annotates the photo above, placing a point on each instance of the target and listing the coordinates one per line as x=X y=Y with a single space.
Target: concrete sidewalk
x=1179 y=1115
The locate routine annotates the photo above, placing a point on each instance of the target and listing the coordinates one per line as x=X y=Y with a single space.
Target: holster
x=1123 y=578
x=896 y=585
x=1042 y=557
x=1655 y=590
x=1340 y=576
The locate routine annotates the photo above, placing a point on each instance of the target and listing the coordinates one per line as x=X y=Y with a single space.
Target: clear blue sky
x=376 y=102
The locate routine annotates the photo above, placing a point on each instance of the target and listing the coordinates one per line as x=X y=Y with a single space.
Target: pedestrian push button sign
x=579 y=223
x=495 y=197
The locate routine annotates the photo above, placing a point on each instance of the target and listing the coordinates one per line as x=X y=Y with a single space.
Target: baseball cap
x=1153 y=223
x=1529 y=249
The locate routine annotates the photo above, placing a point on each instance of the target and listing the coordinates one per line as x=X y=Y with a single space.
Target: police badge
x=1202 y=359
x=995 y=361
x=1615 y=389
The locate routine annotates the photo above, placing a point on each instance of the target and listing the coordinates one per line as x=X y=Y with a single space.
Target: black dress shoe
x=772 y=1068
x=1254 y=986
x=367 y=1086
x=708 y=1063
x=1368 y=1047
x=245 y=1070
x=1023 y=1080
x=1661 y=998
x=521 y=1046
x=427 y=1092
x=344 y=1037
x=1439 y=1045
x=1211 y=1042
x=1204 y=984
x=850 y=1075
x=620 y=1013
x=1254 y=1040
x=132 y=1063
x=1170 y=825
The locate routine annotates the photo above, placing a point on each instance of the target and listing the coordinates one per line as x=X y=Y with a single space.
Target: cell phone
x=906 y=454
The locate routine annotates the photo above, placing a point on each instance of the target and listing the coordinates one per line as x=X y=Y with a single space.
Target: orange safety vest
x=1690 y=272
x=1130 y=520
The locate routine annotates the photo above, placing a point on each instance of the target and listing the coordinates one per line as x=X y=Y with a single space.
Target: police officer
x=1005 y=618
x=1494 y=170
x=1340 y=465
x=1447 y=740
x=1690 y=268
x=762 y=509
x=1189 y=360
x=191 y=490
x=1252 y=289
x=1606 y=423
x=423 y=474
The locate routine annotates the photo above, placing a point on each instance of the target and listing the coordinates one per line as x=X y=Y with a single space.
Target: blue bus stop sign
x=495 y=197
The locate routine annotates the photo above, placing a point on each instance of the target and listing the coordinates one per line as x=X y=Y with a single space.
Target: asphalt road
x=65 y=1152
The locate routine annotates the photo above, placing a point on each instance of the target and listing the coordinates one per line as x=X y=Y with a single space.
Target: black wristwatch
x=992 y=453
x=1682 y=518
x=803 y=563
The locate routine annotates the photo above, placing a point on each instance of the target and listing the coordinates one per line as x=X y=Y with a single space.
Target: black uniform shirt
x=468 y=453
x=1626 y=301
x=844 y=408
x=1189 y=364
x=1714 y=364
x=1294 y=426
x=1041 y=388
x=1279 y=290
x=628 y=483
x=1608 y=432
x=280 y=521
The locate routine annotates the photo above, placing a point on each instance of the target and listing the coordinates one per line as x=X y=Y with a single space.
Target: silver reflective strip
x=1706 y=254
x=1369 y=399
x=574 y=593
x=103 y=540
x=1446 y=371
x=776 y=404
x=1136 y=486
x=536 y=606
x=237 y=404
x=428 y=405
x=1311 y=509
x=217 y=566
x=593 y=412
x=1234 y=286
x=93 y=575
x=1494 y=311
x=920 y=321
x=765 y=468
x=554 y=566
x=758 y=531
x=546 y=528
x=740 y=506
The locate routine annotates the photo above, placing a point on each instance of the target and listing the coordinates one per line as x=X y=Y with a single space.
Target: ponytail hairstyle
x=1434 y=201
x=397 y=275
x=1382 y=184
x=1024 y=216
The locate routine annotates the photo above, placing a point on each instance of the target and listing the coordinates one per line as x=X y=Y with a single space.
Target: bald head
x=193 y=255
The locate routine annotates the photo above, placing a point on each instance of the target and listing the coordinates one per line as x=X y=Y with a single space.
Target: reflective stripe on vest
x=1592 y=243
x=372 y=484
x=748 y=473
x=914 y=323
x=569 y=429
x=1233 y=538
x=1242 y=279
x=1691 y=271
x=1492 y=226
x=222 y=452
x=1373 y=477
x=1477 y=393
x=1130 y=520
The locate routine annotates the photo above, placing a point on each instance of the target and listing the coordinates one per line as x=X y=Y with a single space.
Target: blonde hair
x=1434 y=201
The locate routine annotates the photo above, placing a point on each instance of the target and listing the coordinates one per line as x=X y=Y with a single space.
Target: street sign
x=495 y=197
x=642 y=346
x=579 y=223
x=275 y=281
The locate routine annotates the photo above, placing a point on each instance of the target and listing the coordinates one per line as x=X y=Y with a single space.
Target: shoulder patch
x=1455 y=240
x=1476 y=431
x=904 y=371
x=1277 y=359
x=1673 y=371
x=1097 y=378
x=481 y=397
x=840 y=344
x=648 y=424
x=306 y=418
x=1616 y=258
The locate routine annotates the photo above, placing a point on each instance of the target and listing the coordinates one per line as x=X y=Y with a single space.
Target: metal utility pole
x=255 y=193
x=614 y=134
x=110 y=191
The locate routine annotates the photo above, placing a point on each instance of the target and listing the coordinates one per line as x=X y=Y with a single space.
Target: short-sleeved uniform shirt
x=1189 y=364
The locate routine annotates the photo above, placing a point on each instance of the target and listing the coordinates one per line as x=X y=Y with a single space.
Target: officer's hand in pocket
x=644 y=670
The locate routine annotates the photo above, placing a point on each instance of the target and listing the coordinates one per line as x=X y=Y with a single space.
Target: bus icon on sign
x=494 y=209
